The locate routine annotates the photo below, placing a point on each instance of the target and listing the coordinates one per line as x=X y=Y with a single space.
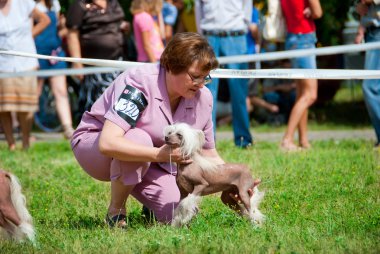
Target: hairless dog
x=204 y=176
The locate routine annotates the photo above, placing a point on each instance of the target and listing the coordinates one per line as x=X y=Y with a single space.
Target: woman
x=49 y=43
x=121 y=139
x=19 y=94
x=299 y=16
x=146 y=30
x=95 y=30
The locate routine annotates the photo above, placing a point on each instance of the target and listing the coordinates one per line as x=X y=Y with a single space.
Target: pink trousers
x=155 y=187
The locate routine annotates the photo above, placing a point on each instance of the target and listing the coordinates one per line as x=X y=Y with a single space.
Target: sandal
x=117 y=221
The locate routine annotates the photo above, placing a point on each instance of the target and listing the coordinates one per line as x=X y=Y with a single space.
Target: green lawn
x=325 y=200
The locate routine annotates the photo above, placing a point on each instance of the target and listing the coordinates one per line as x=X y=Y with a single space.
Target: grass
x=323 y=201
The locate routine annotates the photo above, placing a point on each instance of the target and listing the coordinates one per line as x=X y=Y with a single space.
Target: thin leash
x=171 y=172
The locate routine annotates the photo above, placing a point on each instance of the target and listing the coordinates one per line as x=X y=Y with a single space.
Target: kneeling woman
x=121 y=139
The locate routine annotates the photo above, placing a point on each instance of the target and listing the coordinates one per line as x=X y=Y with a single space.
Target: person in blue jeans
x=225 y=25
x=369 y=11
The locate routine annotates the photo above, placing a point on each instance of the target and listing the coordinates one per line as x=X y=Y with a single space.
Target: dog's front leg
x=185 y=211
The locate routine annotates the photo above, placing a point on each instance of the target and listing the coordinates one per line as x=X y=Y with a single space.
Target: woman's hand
x=169 y=154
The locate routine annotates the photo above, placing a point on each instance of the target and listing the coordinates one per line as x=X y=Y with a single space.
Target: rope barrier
x=112 y=65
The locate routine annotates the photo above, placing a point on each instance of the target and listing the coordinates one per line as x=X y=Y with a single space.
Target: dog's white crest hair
x=25 y=229
x=191 y=144
x=192 y=139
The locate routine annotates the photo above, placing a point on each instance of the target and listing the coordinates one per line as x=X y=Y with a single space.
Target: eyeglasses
x=197 y=81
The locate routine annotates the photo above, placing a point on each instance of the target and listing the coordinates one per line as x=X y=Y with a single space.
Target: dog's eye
x=179 y=136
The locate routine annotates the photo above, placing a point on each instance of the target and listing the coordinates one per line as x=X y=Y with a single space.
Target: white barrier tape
x=332 y=50
x=88 y=61
x=222 y=60
x=59 y=72
x=220 y=73
x=297 y=74
x=225 y=73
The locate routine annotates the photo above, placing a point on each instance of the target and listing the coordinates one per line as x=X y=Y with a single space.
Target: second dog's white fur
x=25 y=230
x=191 y=142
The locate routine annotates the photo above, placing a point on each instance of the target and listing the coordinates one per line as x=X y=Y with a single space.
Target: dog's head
x=182 y=135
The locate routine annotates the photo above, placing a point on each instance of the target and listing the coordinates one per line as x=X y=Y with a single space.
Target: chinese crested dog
x=204 y=176
x=15 y=220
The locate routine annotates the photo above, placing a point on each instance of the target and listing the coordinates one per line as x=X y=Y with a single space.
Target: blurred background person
x=299 y=16
x=225 y=25
x=50 y=43
x=369 y=28
x=170 y=14
x=282 y=93
x=253 y=35
x=186 y=17
x=19 y=94
x=95 y=30
x=147 y=33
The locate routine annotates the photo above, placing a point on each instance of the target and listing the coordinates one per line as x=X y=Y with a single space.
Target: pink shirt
x=150 y=80
x=296 y=21
x=143 y=22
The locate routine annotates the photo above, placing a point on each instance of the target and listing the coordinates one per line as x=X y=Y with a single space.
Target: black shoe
x=117 y=221
x=148 y=215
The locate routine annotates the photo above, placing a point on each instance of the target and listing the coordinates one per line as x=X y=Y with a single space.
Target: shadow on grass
x=134 y=219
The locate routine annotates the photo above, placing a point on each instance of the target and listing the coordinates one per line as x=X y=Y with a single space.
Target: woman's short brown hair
x=185 y=48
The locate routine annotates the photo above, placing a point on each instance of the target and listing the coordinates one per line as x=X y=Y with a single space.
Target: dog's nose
x=166 y=138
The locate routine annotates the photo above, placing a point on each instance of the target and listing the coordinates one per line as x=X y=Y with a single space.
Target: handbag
x=275 y=26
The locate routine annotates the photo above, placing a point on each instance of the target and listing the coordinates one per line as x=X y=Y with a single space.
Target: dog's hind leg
x=186 y=210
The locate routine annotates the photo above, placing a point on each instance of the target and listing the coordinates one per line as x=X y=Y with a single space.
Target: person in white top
x=19 y=94
x=225 y=24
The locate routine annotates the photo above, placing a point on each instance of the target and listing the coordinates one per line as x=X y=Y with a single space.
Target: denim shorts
x=302 y=41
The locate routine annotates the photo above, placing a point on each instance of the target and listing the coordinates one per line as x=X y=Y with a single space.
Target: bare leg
x=306 y=95
x=59 y=88
x=311 y=89
x=26 y=120
x=40 y=84
x=6 y=122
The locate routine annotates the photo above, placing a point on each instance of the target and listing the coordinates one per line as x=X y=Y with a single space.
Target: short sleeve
x=144 y=22
x=169 y=13
x=56 y=6
x=255 y=16
x=75 y=15
x=127 y=102
x=29 y=6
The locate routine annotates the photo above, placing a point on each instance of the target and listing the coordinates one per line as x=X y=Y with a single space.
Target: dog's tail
x=255 y=214
x=19 y=203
